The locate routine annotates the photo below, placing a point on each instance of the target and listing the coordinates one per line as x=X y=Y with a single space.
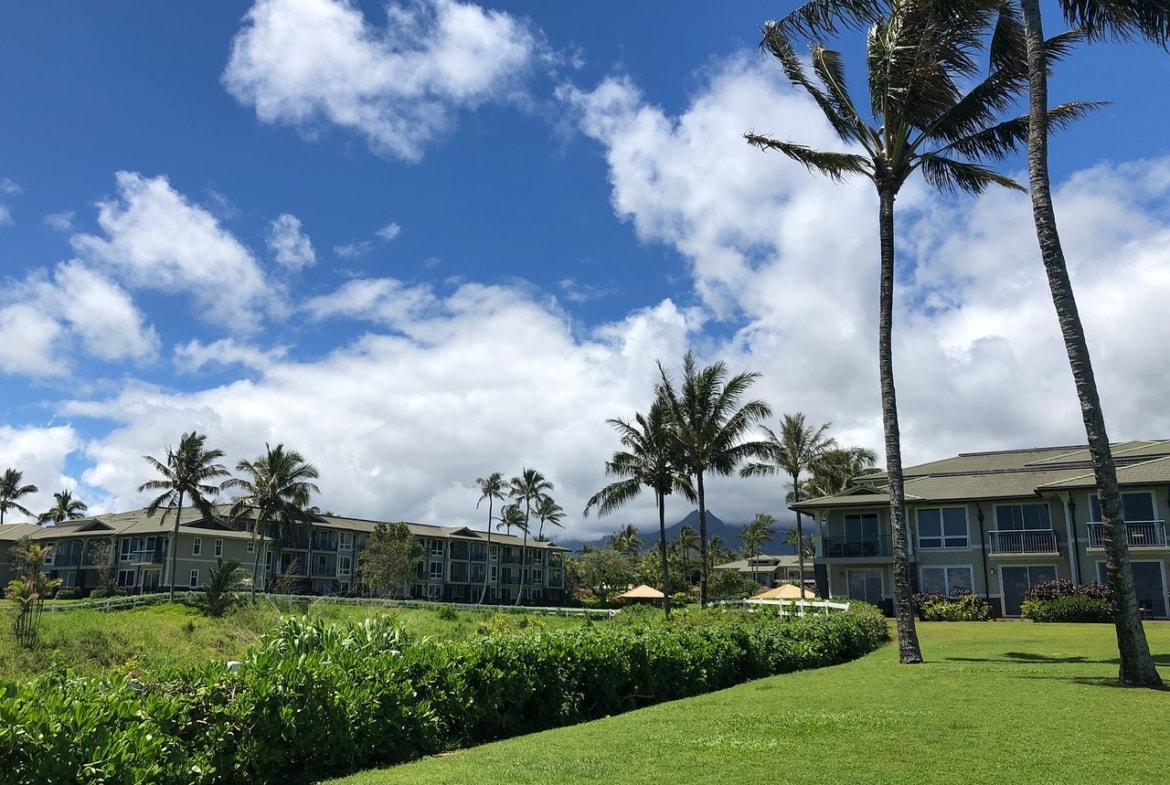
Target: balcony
x=1139 y=534
x=152 y=556
x=1019 y=542
x=856 y=547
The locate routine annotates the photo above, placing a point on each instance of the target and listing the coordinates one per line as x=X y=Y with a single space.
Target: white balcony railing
x=1022 y=541
x=1139 y=534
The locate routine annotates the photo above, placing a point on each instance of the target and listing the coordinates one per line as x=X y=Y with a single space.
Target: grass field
x=93 y=643
x=999 y=703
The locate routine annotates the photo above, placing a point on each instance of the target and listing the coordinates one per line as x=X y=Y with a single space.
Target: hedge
x=312 y=700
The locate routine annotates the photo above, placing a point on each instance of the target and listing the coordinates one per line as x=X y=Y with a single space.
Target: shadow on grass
x=1033 y=657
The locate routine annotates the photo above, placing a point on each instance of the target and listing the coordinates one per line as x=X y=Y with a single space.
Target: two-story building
x=997 y=523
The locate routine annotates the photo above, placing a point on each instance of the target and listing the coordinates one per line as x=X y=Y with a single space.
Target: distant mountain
x=716 y=527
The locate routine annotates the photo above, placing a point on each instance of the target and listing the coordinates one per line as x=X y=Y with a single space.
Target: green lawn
x=997 y=703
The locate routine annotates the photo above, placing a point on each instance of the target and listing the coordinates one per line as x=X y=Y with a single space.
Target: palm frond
x=1009 y=136
x=834 y=165
x=950 y=175
x=828 y=17
x=1120 y=19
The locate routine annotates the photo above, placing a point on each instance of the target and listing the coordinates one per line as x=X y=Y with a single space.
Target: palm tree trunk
x=523 y=568
x=799 y=532
x=256 y=564
x=909 y=651
x=662 y=554
x=487 y=567
x=702 y=541
x=175 y=546
x=1136 y=665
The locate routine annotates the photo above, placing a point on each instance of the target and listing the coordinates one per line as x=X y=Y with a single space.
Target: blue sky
x=422 y=242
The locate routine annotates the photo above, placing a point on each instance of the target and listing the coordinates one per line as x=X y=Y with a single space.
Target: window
x=946 y=580
x=195 y=579
x=435 y=592
x=322 y=565
x=494 y=575
x=251 y=546
x=49 y=554
x=494 y=553
x=436 y=547
x=1135 y=508
x=537 y=577
x=218 y=548
x=125 y=577
x=197 y=546
x=344 y=565
x=536 y=594
x=1021 y=517
x=537 y=557
x=942 y=527
x=126 y=548
x=437 y=569
x=346 y=541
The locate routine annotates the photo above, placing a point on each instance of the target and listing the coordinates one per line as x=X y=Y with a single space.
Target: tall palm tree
x=529 y=486
x=12 y=487
x=548 y=511
x=799 y=544
x=187 y=476
x=753 y=536
x=919 y=54
x=835 y=470
x=65 y=508
x=511 y=515
x=276 y=489
x=490 y=488
x=650 y=460
x=709 y=422
x=626 y=540
x=1123 y=19
x=792 y=452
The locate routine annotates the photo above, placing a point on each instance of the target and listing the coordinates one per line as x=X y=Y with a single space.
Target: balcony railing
x=1140 y=534
x=1022 y=541
x=153 y=556
x=856 y=547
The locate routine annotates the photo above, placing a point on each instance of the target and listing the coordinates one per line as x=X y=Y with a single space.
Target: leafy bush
x=69 y=593
x=1069 y=608
x=1052 y=590
x=448 y=613
x=315 y=700
x=960 y=606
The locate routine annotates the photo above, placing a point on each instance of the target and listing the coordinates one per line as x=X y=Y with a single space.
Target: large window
x=436 y=547
x=1021 y=517
x=942 y=527
x=946 y=580
x=437 y=567
x=1135 y=507
x=344 y=565
x=861 y=527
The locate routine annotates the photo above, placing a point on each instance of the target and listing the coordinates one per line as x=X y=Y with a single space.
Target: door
x=1015 y=581
x=1148 y=585
x=865 y=585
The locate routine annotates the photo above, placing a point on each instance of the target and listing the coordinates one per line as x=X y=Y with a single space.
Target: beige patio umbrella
x=643 y=593
x=785 y=591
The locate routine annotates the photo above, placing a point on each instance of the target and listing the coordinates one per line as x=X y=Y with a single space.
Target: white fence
x=788 y=607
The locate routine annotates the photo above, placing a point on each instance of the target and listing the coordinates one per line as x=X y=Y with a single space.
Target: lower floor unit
x=1004 y=584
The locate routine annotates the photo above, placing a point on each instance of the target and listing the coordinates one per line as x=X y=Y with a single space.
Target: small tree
x=390 y=560
x=604 y=571
x=219 y=592
x=101 y=556
x=30 y=590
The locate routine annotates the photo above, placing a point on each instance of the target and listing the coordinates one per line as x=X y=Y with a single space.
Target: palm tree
x=490 y=488
x=548 y=511
x=835 y=470
x=276 y=490
x=686 y=541
x=801 y=544
x=709 y=424
x=187 y=474
x=626 y=540
x=792 y=452
x=528 y=487
x=918 y=54
x=65 y=508
x=511 y=515
x=753 y=536
x=1123 y=19
x=11 y=489
x=650 y=460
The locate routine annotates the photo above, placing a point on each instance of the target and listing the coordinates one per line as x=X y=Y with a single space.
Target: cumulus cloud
x=303 y=62
x=154 y=238
x=194 y=356
x=292 y=247
x=40 y=454
x=103 y=315
x=389 y=231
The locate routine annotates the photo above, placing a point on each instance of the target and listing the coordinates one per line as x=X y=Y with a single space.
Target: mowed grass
x=145 y=640
x=998 y=703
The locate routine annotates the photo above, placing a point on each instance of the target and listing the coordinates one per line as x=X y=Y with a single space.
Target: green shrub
x=69 y=593
x=447 y=613
x=960 y=606
x=1069 y=608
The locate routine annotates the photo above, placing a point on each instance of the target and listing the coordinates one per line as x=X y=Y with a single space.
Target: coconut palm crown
x=13 y=487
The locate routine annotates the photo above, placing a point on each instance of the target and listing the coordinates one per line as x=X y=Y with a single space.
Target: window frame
x=943 y=540
x=948 y=585
x=197 y=546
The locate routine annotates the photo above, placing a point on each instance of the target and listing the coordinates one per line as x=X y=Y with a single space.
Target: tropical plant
x=391 y=559
x=792 y=452
x=802 y=544
x=709 y=422
x=490 y=488
x=187 y=474
x=529 y=487
x=511 y=515
x=65 y=508
x=219 y=592
x=685 y=541
x=30 y=590
x=1122 y=19
x=12 y=487
x=753 y=536
x=626 y=540
x=834 y=471
x=919 y=56
x=276 y=489
x=548 y=511
x=650 y=460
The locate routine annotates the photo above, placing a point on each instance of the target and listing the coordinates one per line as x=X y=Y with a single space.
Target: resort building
x=769 y=571
x=321 y=558
x=997 y=523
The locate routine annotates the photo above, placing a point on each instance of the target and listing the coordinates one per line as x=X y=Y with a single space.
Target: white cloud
x=305 y=61
x=60 y=222
x=383 y=300
x=5 y=215
x=195 y=355
x=102 y=314
x=389 y=231
x=8 y=186
x=292 y=247
x=39 y=453
x=156 y=239
x=28 y=342
x=353 y=250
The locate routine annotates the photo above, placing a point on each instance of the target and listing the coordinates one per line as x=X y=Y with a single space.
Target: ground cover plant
x=1012 y=703
x=315 y=698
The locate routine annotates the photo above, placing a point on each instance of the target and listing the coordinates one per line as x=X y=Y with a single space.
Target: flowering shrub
x=961 y=605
